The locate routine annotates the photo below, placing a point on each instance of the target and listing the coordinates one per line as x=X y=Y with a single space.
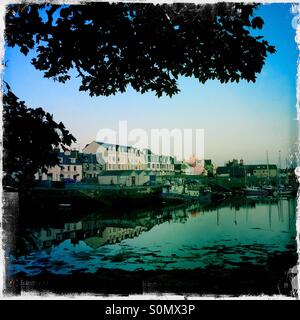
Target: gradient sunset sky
x=239 y=120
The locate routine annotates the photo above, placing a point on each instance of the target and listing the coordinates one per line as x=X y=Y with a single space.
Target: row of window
x=160 y=166
x=123 y=150
x=59 y=177
x=69 y=168
x=72 y=160
x=123 y=159
x=125 y=167
x=93 y=167
x=261 y=171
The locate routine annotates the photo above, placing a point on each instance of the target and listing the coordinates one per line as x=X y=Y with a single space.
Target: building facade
x=91 y=168
x=69 y=168
x=118 y=157
x=256 y=170
x=263 y=170
x=128 y=178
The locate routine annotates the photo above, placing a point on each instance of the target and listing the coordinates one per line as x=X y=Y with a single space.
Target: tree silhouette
x=147 y=46
x=29 y=139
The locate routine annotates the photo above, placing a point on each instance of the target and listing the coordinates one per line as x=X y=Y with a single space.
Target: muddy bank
x=246 y=278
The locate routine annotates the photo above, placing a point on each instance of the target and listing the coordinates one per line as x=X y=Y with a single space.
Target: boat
x=284 y=191
x=203 y=197
x=255 y=191
x=270 y=189
x=180 y=193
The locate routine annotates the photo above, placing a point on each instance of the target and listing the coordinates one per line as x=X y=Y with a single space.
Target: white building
x=117 y=157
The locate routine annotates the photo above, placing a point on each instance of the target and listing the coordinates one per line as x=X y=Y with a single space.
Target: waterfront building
x=231 y=171
x=209 y=168
x=160 y=164
x=91 y=168
x=262 y=170
x=180 y=167
x=117 y=157
x=166 y=165
x=239 y=171
x=194 y=166
x=152 y=160
x=223 y=171
x=127 y=177
x=69 y=168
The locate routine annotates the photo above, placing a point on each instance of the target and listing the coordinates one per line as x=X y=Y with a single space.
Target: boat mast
x=268 y=168
x=287 y=170
x=279 y=168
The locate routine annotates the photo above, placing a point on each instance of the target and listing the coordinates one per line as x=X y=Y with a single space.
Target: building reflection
x=99 y=229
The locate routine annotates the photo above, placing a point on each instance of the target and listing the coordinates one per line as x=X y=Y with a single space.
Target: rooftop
x=124 y=172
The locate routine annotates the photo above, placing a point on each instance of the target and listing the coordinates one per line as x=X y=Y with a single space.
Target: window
x=73 y=160
x=74 y=168
x=68 y=168
x=133 y=180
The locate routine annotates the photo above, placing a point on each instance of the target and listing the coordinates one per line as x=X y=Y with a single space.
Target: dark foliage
x=146 y=46
x=29 y=139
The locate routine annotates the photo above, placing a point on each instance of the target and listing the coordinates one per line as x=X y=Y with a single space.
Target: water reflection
x=235 y=232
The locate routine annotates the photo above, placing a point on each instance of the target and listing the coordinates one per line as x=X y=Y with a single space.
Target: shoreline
x=247 y=279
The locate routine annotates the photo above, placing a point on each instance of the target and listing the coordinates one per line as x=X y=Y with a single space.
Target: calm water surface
x=183 y=238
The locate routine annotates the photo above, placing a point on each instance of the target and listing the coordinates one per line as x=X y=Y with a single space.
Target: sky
x=242 y=121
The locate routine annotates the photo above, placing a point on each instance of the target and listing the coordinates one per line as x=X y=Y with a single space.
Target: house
x=256 y=170
x=209 y=168
x=223 y=171
x=127 y=177
x=91 y=168
x=117 y=157
x=180 y=167
x=195 y=166
x=160 y=164
x=234 y=171
x=166 y=164
x=262 y=170
x=69 y=168
x=152 y=161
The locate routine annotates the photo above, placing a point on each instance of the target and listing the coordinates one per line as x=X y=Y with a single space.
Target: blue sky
x=239 y=120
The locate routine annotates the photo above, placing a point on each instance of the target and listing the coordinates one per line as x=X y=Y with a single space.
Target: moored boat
x=284 y=191
x=255 y=191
